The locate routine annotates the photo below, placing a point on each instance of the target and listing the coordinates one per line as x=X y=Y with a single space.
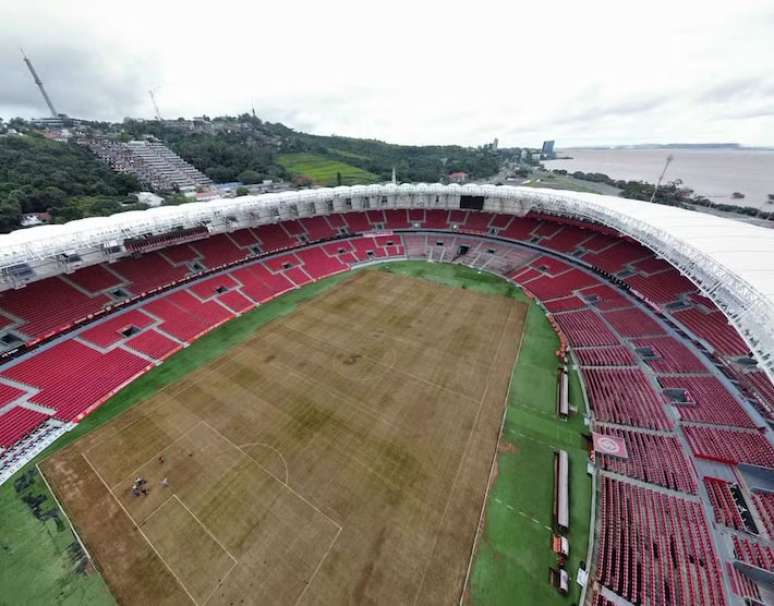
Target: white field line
x=144 y=536
x=207 y=530
x=220 y=583
x=270 y=447
x=462 y=460
x=69 y=522
x=319 y=565
x=493 y=466
x=287 y=486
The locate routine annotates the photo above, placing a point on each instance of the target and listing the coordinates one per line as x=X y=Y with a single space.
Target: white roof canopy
x=731 y=261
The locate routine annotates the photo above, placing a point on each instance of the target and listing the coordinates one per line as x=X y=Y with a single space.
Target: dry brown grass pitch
x=340 y=456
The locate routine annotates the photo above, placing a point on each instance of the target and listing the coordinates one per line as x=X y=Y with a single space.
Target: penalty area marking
x=287 y=486
x=140 y=530
x=270 y=447
x=338 y=526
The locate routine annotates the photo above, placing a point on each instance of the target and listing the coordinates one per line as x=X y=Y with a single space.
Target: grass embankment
x=323 y=171
x=40 y=560
x=548 y=180
x=514 y=553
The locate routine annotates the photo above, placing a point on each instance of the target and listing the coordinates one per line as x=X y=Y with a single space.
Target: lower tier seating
x=72 y=377
x=617 y=355
x=624 y=396
x=17 y=423
x=652 y=458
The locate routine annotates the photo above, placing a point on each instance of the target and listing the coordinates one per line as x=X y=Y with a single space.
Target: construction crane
x=40 y=85
x=155 y=106
x=669 y=159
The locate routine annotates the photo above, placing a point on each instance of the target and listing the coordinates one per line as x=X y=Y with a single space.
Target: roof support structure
x=702 y=247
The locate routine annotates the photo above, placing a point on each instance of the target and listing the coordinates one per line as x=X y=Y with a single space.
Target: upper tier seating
x=604 y=297
x=729 y=446
x=94 y=278
x=714 y=329
x=617 y=256
x=274 y=238
x=318 y=229
x=741 y=584
x=656 y=549
x=560 y=285
x=723 y=505
x=764 y=503
x=47 y=306
x=663 y=287
x=180 y=254
x=148 y=272
x=713 y=403
x=633 y=322
x=754 y=553
x=219 y=250
x=567 y=240
x=672 y=356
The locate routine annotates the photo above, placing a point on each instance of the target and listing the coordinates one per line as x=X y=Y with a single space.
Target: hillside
x=228 y=148
x=64 y=179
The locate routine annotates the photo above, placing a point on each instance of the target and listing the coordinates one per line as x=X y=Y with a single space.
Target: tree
x=10 y=213
x=242 y=191
x=249 y=177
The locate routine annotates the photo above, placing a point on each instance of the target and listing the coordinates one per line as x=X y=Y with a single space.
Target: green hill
x=324 y=171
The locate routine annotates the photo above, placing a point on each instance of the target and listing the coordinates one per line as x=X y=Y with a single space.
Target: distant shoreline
x=656 y=146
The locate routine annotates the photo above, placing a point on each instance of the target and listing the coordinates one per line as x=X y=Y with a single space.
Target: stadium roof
x=731 y=261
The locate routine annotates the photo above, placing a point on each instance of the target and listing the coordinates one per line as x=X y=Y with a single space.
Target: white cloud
x=409 y=72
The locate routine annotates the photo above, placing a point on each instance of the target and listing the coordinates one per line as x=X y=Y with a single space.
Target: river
x=714 y=173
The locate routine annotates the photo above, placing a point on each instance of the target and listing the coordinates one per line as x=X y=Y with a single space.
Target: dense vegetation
x=672 y=194
x=230 y=149
x=429 y=164
x=64 y=179
x=40 y=175
x=231 y=152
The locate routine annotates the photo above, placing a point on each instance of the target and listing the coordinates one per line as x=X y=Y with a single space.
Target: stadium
x=399 y=394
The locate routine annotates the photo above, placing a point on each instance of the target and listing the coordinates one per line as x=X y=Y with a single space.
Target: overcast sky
x=408 y=72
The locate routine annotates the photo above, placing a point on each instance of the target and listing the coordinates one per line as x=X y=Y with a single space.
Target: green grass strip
x=514 y=554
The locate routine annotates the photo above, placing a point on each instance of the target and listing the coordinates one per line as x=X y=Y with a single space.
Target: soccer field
x=340 y=455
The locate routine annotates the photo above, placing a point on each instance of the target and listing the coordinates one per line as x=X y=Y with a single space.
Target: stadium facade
x=729 y=261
